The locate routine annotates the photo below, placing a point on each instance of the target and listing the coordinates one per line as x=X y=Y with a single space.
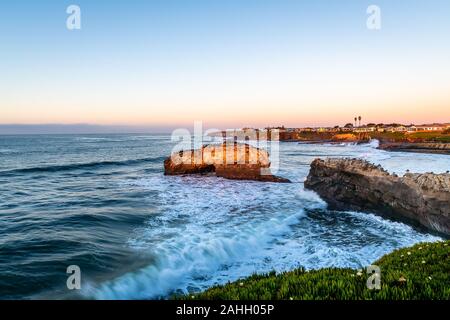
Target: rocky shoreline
x=405 y=146
x=352 y=184
x=234 y=161
x=318 y=138
x=422 y=147
x=403 y=143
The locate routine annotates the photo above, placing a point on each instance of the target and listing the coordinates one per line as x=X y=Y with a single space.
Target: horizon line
x=90 y=128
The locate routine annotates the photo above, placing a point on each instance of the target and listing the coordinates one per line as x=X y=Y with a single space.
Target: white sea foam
x=193 y=255
x=210 y=230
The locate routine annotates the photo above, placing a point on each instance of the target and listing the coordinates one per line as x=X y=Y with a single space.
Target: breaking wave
x=182 y=261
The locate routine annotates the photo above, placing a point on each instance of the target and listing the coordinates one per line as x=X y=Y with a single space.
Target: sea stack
x=351 y=184
x=230 y=160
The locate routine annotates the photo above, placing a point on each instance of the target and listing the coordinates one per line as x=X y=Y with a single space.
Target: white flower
x=291 y=298
x=420 y=248
x=423 y=261
x=429 y=278
x=409 y=253
x=241 y=284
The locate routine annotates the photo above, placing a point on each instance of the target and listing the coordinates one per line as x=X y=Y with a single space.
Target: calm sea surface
x=102 y=202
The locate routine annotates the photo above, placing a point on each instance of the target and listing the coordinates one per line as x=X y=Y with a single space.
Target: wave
x=190 y=256
x=374 y=143
x=77 y=166
x=7 y=151
x=120 y=138
x=192 y=261
x=97 y=139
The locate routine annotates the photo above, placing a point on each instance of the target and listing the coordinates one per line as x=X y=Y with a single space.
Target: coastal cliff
x=324 y=137
x=228 y=160
x=351 y=184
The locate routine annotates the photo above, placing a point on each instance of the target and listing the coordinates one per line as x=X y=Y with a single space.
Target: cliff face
x=350 y=184
x=324 y=137
x=232 y=161
x=351 y=137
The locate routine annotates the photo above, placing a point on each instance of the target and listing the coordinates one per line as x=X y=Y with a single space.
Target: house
x=347 y=128
x=364 y=129
x=400 y=129
x=397 y=128
x=431 y=128
x=308 y=129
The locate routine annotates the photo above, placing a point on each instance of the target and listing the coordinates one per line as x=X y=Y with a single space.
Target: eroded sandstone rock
x=232 y=161
x=351 y=137
x=351 y=184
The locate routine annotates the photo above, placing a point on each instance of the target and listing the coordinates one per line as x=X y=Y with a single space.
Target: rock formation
x=351 y=184
x=228 y=160
x=362 y=137
x=425 y=147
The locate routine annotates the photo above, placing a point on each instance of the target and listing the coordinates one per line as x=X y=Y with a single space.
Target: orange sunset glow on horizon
x=262 y=69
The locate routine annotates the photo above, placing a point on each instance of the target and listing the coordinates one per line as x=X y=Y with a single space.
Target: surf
x=78 y=166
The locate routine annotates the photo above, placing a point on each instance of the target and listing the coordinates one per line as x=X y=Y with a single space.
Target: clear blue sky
x=228 y=63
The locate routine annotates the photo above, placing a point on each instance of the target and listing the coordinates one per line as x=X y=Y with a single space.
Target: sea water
x=102 y=202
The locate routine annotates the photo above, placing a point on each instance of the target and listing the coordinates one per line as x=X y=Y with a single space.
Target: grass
x=431 y=136
x=388 y=136
x=418 y=272
x=314 y=135
x=443 y=137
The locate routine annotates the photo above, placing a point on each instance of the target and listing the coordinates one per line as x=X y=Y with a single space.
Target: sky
x=165 y=64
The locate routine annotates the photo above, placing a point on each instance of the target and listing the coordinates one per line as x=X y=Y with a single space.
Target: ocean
x=102 y=202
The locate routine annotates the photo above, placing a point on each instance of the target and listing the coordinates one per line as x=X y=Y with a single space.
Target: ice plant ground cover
x=418 y=272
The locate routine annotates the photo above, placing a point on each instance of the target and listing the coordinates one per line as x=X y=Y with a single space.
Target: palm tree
x=359 y=118
x=355 y=121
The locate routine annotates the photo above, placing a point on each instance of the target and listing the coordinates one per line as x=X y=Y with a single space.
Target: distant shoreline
x=437 y=143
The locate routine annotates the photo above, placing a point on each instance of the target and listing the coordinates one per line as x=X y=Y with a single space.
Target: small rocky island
x=352 y=184
x=236 y=161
